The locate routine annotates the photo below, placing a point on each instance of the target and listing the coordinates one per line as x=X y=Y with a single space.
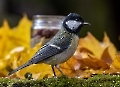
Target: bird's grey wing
x=45 y=52
x=48 y=51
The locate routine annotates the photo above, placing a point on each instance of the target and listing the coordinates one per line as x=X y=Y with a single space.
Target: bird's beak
x=86 y=23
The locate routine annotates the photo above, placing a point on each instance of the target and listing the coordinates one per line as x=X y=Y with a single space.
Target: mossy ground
x=100 y=80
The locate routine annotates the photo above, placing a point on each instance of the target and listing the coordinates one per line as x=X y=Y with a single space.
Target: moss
x=100 y=80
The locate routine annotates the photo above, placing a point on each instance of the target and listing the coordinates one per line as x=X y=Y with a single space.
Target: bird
x=61 y=47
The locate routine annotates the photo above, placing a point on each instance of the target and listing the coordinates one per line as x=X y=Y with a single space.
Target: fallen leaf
x=4 y=34
x=116 y=62
x=93 y=63
x=92 y=45
x=102 y=50
x=12 y=38
x=69 y=68
x=111 y=50
x=106 y=56
x=38 y=70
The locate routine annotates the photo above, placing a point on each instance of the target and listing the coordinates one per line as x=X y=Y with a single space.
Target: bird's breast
x=65 y=55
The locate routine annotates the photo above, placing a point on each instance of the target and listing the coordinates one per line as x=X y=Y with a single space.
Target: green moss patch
x=100 y=80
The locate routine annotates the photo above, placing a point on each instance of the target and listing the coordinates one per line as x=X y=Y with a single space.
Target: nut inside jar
x=47 y=33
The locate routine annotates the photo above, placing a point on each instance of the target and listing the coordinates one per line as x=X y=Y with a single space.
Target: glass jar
x=45 y=26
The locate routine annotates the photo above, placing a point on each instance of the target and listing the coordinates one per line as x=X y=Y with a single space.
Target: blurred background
x=104 y=15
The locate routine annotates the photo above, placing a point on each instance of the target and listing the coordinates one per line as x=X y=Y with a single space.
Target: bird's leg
x=53 y=70
x=57 y=66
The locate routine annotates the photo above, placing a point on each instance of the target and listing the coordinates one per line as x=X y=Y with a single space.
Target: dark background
x=104 y=15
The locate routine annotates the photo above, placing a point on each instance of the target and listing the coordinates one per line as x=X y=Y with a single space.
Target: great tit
x=61 y=47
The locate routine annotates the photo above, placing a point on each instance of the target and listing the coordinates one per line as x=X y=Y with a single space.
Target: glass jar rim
x=49 y=16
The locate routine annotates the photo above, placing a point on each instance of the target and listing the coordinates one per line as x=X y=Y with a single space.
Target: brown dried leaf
x=106 y=56
x=69 y=68
x=93 y=63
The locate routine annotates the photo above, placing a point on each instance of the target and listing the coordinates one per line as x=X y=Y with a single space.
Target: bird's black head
x=73 y=23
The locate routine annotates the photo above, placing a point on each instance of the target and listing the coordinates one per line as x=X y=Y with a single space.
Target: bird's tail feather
x=19 y=68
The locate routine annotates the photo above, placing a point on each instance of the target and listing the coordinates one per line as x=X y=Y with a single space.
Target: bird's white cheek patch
x=73 y=24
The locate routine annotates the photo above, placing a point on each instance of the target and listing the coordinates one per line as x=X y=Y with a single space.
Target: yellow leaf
x=102 y=50
x=92 y=45
x=116 y=62
x=4 y=34
x=22 y=32
x=38 y=70
x=12 y=38
x=111 y=48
